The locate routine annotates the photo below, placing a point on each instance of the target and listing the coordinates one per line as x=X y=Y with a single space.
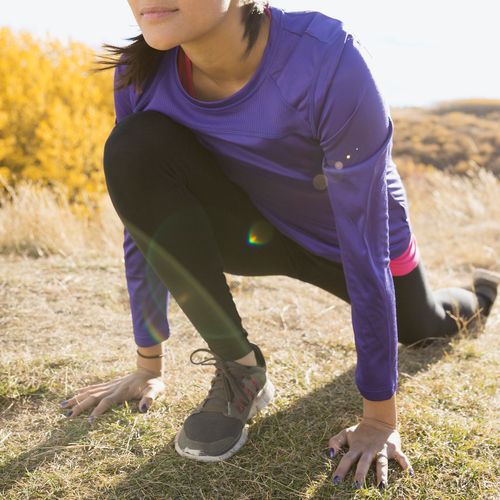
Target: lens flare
x=154 y=332
x=158 y=258
x=261 y=233
x=320 y=182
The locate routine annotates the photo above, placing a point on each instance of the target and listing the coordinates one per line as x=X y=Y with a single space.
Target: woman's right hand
x=140 y=384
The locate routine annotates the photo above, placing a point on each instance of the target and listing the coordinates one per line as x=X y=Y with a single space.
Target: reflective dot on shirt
x=320 y=182
x=338 y=165
x=260 y=233
x=348 y=157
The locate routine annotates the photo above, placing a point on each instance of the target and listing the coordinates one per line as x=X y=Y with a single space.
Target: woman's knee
x=141 y=136
x=438 y=323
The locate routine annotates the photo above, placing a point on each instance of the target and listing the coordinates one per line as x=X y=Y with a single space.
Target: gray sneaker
x=218 y=428
x=485 y=284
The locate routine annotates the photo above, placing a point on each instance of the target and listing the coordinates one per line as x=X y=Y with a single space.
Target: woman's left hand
x=367 y=442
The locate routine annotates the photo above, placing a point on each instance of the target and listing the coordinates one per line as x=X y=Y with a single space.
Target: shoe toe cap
x=205 y=434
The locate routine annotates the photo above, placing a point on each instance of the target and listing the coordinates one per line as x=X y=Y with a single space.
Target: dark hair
x=141 y=60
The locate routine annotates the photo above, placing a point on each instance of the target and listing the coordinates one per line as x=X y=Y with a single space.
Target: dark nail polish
x=336 y=480
x=382 y=485
x=63 y=403
x=410 y=471
x=331 y=452
x=144 y=408
x=357 y=485
x=70 y=412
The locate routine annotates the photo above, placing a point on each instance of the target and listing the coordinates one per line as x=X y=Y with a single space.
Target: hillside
x=456 y=136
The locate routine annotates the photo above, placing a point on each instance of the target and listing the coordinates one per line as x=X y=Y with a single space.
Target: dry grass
x=455 y=136
x=65 y=322
x=37 y=221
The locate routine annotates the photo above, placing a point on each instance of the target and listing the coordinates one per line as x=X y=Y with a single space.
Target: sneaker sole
x=263 y=398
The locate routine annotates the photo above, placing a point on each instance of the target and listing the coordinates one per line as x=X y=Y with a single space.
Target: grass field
x=65 y=323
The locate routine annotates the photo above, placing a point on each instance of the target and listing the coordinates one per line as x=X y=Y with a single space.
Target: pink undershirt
x=399 y=266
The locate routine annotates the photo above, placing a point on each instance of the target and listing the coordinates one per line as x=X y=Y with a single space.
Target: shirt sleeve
x=355 y=130
x=148 y=295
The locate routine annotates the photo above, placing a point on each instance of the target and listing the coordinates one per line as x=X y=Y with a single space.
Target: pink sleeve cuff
x=408 y=261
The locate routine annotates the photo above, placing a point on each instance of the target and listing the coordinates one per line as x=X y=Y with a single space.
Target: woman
x=255 y=141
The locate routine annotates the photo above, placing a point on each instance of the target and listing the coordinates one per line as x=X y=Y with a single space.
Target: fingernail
x=410 y=471
x=336 y=480
x=70 y=412
x=357 y=485
x=144 y=408
x=63 y=403
x=331 y=452
x=91 y=419
x=382 y=485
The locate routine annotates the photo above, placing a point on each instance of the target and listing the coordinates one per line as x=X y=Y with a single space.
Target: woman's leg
x=424 y=314
x=190 y=222
x=421 y=312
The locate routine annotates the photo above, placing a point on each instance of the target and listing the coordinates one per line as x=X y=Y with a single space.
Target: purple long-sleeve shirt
x=309 y=138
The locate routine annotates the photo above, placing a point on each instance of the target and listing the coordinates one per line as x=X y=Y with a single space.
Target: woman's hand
x=368 y=440
x=141 y=384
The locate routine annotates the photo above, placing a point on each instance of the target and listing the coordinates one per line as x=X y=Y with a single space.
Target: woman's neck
x=218 y=66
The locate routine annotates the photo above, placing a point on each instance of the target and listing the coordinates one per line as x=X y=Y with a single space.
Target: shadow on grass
x=67 y=434
x=285 y=455
x=64 y=436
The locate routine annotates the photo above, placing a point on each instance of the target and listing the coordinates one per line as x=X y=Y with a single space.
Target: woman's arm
x=353 y=126
x=355 y=131
x=148 y=295
x=148 y=303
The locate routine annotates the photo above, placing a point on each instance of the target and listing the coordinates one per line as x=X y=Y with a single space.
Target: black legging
x=192 y=224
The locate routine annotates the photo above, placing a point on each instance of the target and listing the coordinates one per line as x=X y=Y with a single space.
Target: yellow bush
x=55 y=114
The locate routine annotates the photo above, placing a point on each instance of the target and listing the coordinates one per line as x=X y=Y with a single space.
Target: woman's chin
x=160 y=44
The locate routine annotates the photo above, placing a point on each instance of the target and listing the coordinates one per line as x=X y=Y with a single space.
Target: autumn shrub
x=55 y=115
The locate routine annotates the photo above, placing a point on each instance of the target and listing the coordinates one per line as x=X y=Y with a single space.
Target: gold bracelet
x=150 y=357
x=379 y=424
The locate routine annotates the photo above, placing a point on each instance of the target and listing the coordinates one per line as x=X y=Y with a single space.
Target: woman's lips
x=157 y=13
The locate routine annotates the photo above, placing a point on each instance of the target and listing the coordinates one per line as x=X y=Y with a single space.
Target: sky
x=423 y=52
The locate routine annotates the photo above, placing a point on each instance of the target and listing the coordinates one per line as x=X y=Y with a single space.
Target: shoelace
x=222 y=371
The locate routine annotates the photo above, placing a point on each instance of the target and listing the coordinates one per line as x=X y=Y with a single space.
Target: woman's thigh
x=247 y=242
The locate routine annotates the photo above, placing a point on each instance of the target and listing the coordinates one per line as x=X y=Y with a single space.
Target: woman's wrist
x=378 y=424
x=382 y=411
x=153 y=365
